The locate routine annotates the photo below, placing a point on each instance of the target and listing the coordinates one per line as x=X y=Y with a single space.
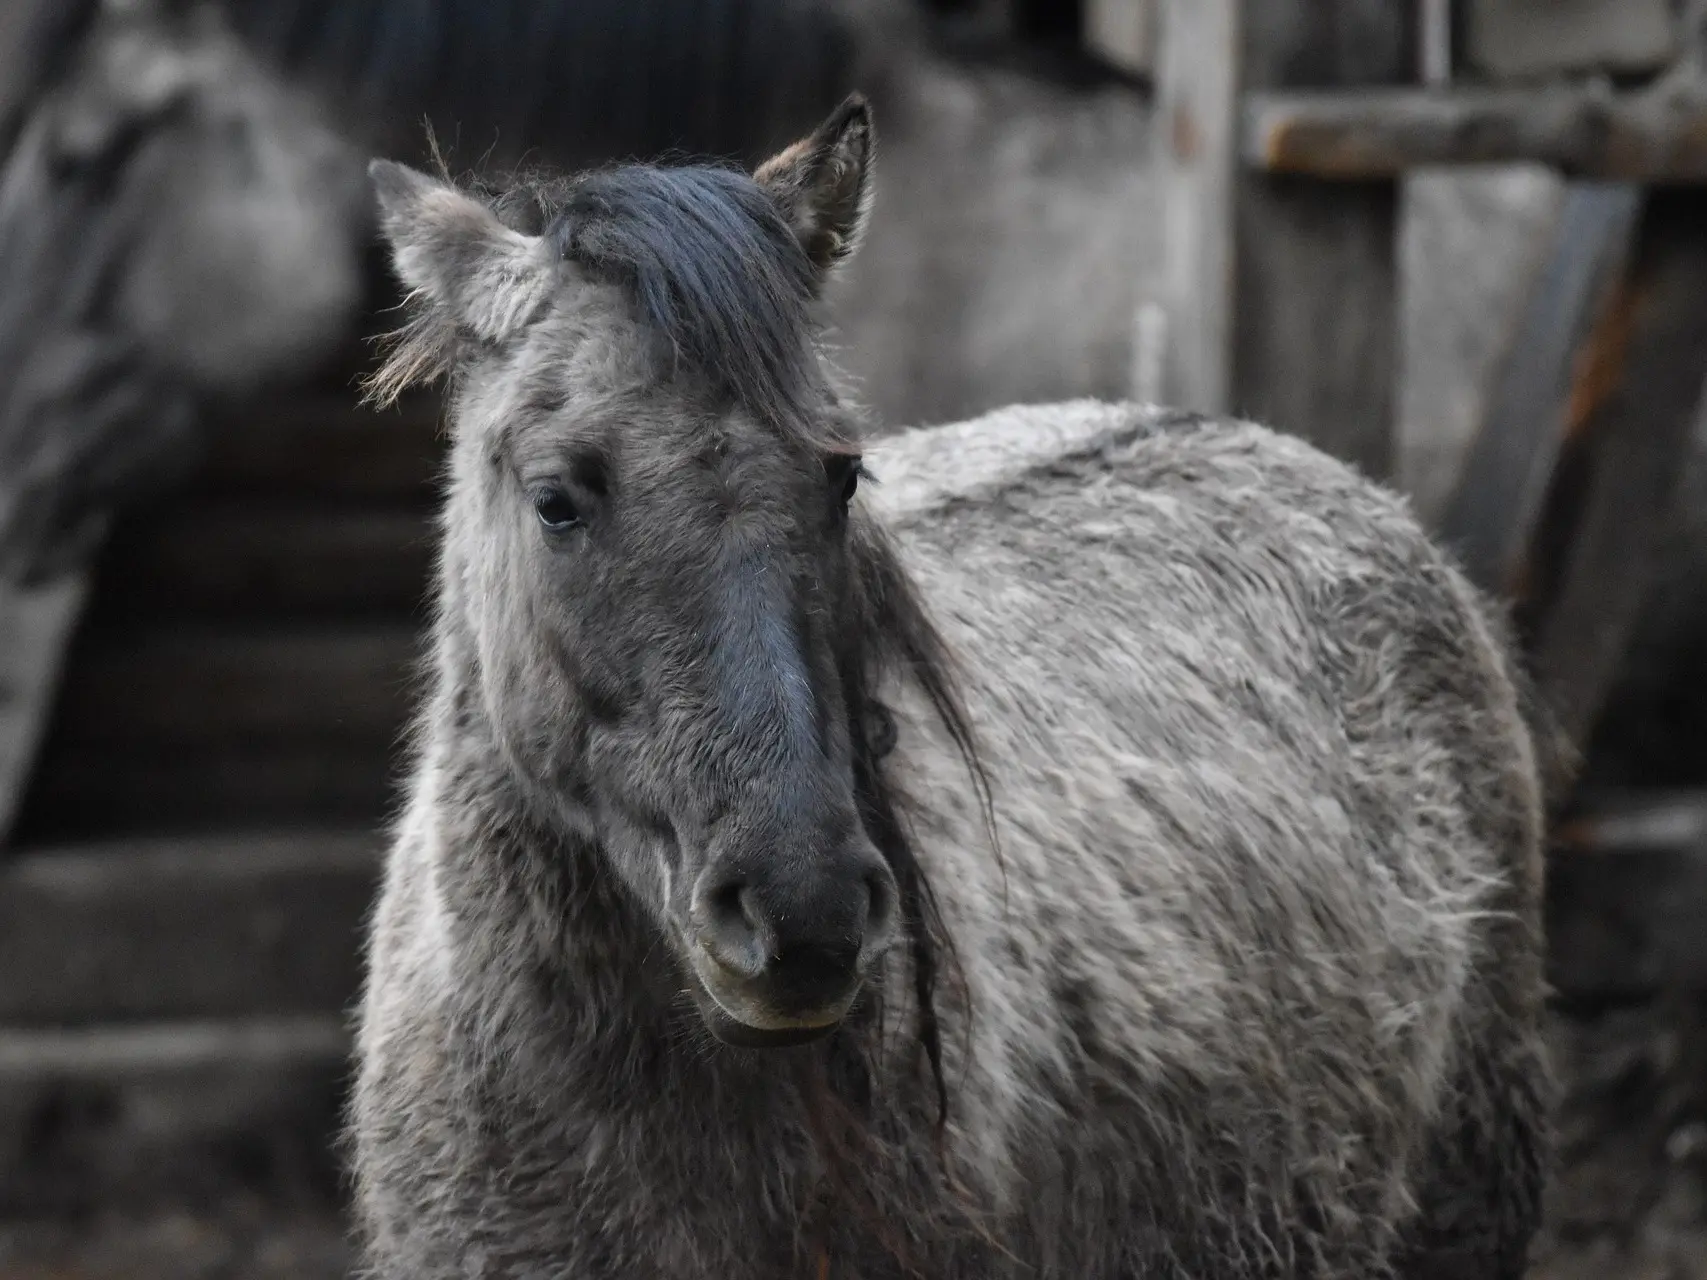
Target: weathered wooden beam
x=1198 y=83
x=150 y=1113
x=184 y=929
x=1280 y=294
x=1639 y=401
x=1662 y=821
x=1382 y=133
x=1494 y=227
x=1435 y=42
x=36 y=626
x=1539 y=396
x=165 y=689
x=1569 y=483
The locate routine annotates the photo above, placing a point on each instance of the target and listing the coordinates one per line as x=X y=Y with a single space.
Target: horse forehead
x=748 y=475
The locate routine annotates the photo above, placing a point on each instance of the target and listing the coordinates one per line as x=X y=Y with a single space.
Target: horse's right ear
x=453 y=253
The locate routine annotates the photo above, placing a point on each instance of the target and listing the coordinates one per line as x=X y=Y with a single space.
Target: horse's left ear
x=454 y=253
x=823 y=184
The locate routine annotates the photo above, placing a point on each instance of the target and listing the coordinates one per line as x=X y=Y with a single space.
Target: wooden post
x=1435 y=37
x=1199 y=112
x=1566 y=494
x=1280 y=293
x=1492 y=520
x=1638 y=401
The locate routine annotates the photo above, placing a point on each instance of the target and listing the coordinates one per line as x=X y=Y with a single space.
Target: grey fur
x=1247 y=985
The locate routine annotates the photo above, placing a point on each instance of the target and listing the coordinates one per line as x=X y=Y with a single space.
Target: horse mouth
x=739 y=1035
x=740 y=1021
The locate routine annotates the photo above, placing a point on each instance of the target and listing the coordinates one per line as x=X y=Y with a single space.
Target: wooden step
x=168 y=1111
x=1626 y=892
x=242 y=1237
x=326 y=446
x=267 y=557
x=111 y=792
x=184 y=929
x=171 y=687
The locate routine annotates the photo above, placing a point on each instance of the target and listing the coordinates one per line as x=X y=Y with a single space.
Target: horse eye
x=555 y=511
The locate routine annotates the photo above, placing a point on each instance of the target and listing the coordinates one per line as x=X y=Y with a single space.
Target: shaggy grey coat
x=1251 y=985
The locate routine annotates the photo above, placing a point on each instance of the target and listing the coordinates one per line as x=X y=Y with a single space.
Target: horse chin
x=739 y=1035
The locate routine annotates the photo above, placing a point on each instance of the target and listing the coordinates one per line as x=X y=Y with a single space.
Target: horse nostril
x=732 y=928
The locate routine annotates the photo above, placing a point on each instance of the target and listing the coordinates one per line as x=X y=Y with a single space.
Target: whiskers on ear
x=417 y=354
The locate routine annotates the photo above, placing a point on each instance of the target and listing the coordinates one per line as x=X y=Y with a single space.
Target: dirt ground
x=1629 y=1201
x=244 y=1240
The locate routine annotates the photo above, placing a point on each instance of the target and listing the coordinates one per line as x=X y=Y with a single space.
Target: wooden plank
x=1434 y=41
x=1493 y=517
x=1316 y=334
x=1660 y=821
x=327 y=447
x=1280 y=294
x=1640 y=400
x=1626 y=888
x=1495 y=227
x=36 y=625
x=1197 y=94
x=85 y=793
x=184 y=929
x=1316 y=320
x=106 y=1117
x=1587 y=131
x=175 y=687
x=1516 y=39
x=220 y=557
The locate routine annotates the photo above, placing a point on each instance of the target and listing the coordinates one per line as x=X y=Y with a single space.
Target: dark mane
x=714 y=270
x=895 y=633
x=891 y=631
x=712 y=266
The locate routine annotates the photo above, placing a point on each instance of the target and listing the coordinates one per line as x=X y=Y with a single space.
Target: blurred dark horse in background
x=184 y=214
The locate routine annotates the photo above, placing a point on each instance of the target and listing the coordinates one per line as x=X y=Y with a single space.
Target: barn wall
x=1013 y=235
